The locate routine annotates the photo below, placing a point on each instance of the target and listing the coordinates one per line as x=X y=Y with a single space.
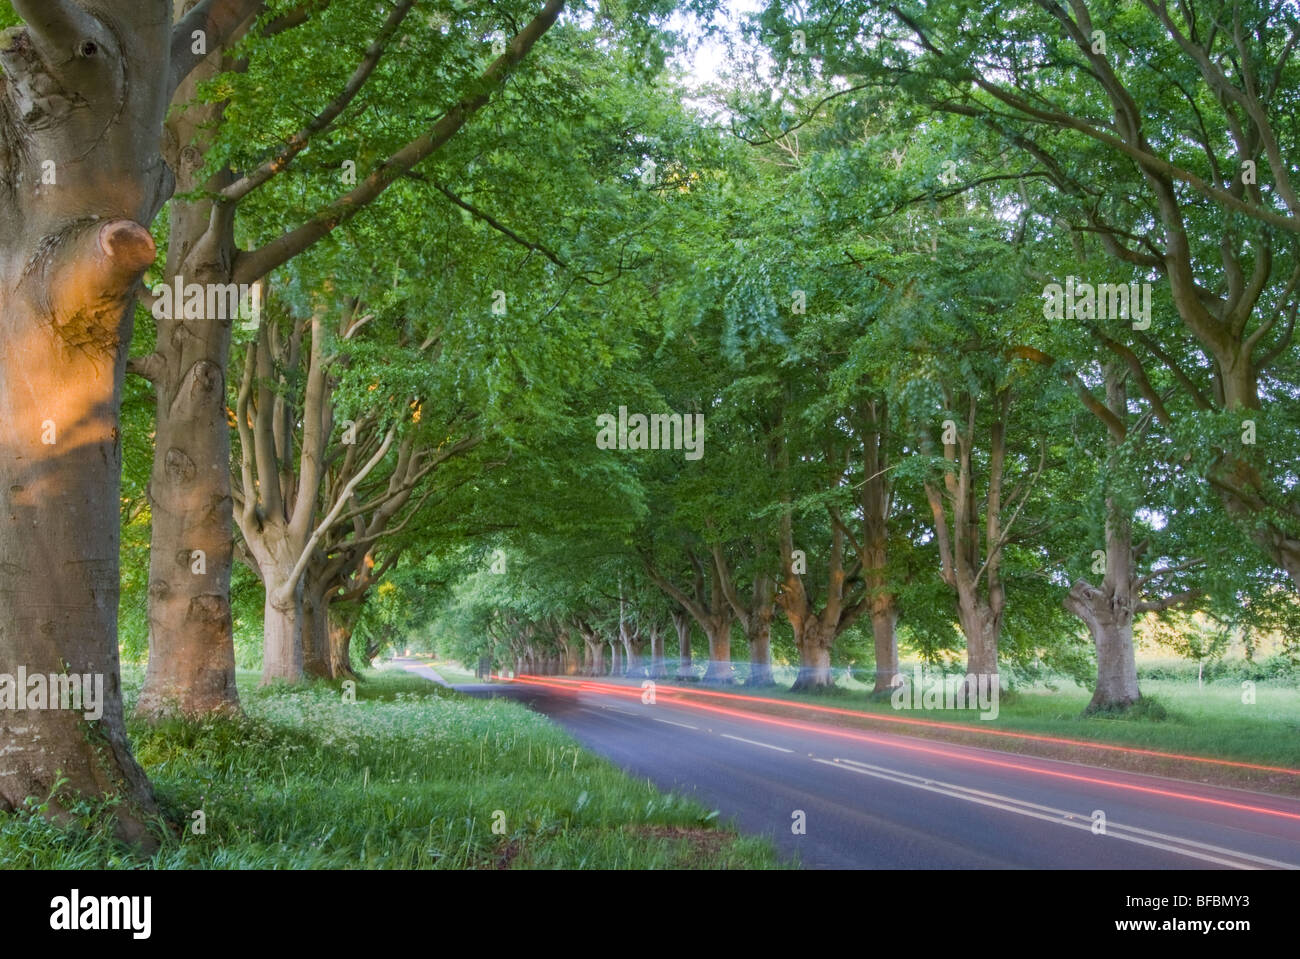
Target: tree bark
x=982 y=626
x=1110 y=622
x=970 y=565
x=634 y=648
x=341 y=626
x=877 y=500
x=815 y=633
x=760 y=650
x=657 y=668
x=884 y=630
x=1108 y=611
x=191 y=638
x=85 y=90
x=709 y=607
x=315 y=633
x=282 y=654
x=682 y=623
x=814 y=645
x=719 y=669
x=755 y=618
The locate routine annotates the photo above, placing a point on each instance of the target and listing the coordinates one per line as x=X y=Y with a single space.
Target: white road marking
x=755 y=742
x=625 y=712
x=1062 y=817
x=671 y=723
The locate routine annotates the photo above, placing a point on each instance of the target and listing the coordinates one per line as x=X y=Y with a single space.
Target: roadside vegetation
x=409 y=776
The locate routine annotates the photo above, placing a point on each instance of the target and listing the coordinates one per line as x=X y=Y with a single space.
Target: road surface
x=869 y=799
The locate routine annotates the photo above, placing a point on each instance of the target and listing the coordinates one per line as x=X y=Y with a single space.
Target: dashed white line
x=671 y=723
x=625 y=712
x=1061 y=817
x=755 y=742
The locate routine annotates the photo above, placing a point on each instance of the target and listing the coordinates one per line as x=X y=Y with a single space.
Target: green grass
x=409 y=776
x=1210 y=721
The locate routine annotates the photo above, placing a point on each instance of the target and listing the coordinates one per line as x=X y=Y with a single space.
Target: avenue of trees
x=316 y=314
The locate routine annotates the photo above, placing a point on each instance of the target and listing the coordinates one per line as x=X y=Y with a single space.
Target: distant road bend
x=874 y=799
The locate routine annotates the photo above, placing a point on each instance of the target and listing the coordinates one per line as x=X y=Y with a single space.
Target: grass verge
x=410 y=776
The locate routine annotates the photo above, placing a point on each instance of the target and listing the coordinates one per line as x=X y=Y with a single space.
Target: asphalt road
x=879 y=800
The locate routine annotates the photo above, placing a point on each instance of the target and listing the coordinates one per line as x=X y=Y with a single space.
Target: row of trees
x=903 y=431
x=475 y=232
x=356 y=169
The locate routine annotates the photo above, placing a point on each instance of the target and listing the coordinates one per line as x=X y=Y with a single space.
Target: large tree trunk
x=191 y=646
x=342 y=623
x=877 y=499
x=633 y=650
x=760 y=650
x=657 y=668
x=1110 y=621
x=814 y=645
x=61 y=373
x=758 y=630
x=719 y=669
x=634 y=647
x=815 y=633
x=191 y=642
x=1239 y=488
x=315 y=634
x=962 y=557
x=884 y=623
x=1239 y=484
x=1288 y=555
x=282 y=659
x=982 y=627
x=1108 y=611
x=83 y=101
x=682 y=623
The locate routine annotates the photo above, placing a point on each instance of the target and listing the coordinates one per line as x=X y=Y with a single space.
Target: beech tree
x=86 y=89
x=1110 y=608
x=1163 y=131
x=1162 y=539
x=309 y=517
x=191 y=663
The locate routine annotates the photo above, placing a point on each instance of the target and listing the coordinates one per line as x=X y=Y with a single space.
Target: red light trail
x=579 y=685
x=932 y=723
